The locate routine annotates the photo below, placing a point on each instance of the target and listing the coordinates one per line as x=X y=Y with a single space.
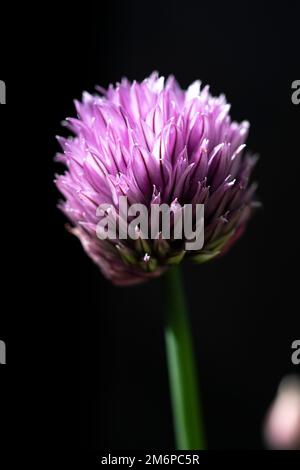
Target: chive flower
x=155 y=144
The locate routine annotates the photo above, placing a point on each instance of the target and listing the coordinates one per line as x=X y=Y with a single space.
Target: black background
x=85 y=358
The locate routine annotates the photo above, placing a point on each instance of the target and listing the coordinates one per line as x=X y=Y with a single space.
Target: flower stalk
x=182 y=367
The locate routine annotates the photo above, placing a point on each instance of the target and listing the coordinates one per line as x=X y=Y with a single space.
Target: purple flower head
x=155 y=143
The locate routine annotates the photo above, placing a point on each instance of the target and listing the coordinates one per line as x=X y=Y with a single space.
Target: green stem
x=182 y=367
